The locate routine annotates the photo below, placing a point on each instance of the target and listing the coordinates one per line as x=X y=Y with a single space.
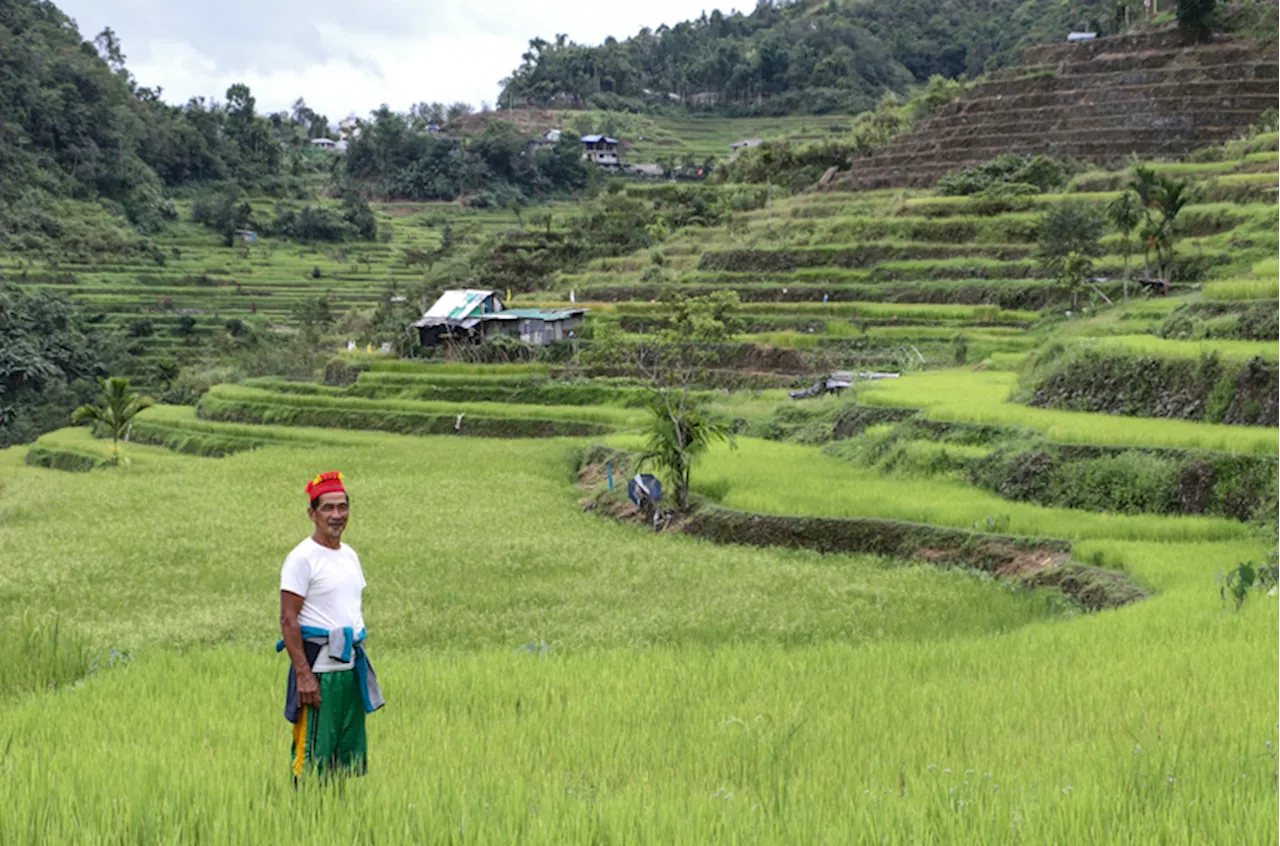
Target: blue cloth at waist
x=352 y=649
x=349 y=637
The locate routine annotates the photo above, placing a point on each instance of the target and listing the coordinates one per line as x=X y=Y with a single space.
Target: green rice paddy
x=557 y=677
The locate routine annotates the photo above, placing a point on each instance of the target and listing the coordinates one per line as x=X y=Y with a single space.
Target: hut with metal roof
x=470 y=315
x=601 y=149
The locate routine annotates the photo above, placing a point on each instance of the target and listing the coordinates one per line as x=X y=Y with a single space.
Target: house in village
x=329 y=144
x=472 y=316
x=550 y=138
x=738 y=146
x=601 y=149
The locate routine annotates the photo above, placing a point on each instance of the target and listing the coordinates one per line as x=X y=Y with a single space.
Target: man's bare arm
x=308 y=684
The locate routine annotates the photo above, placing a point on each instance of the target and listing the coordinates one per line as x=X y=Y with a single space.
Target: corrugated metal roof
x=536 y=314
x=592 y=139
x=468 y=323
x=458 y=304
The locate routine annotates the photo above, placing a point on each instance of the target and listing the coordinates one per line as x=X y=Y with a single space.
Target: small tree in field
x=678 y=433
x=1070 y=238
x=679 y=430
x=1162 y=199
x=1125 y=214
x=116 y=413
x=1073 y=273
x=1168 y=201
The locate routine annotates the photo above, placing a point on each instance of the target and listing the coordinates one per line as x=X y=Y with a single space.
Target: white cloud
x=347 y=57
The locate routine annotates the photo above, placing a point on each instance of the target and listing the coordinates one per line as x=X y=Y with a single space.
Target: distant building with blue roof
x=601 y=149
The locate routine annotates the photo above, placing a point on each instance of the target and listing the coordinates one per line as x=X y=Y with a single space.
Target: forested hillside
x=74 y=124
x=815 y=56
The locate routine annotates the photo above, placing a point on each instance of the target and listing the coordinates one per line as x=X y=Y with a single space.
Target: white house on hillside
x=329 y=144
x=600 y=149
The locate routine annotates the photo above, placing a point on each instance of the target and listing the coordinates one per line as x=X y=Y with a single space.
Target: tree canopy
x=802 y=56
x=49 y=358
x=75 y=124
x=494 y=168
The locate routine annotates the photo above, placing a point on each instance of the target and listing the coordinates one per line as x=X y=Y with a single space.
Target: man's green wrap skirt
x=331 y=738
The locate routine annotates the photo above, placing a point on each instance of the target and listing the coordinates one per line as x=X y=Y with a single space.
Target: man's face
x=330 y=514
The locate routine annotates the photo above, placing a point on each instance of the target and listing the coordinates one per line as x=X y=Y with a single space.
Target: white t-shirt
x=330 y=582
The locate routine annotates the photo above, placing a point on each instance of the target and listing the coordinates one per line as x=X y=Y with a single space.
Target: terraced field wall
x=1150 y=94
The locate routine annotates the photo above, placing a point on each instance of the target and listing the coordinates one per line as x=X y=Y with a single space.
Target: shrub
x=1268 y=121
x=1118 y=382
x=39 y=455
x=1131 y=482
x=1042 y=173
x=1070 y=227
x=1156 y=481
x=311 y=223
x=338 y=371
x=1002 y=197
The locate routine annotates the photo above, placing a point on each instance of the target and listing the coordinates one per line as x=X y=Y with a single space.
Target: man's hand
x=308 y=684
x=308 y=688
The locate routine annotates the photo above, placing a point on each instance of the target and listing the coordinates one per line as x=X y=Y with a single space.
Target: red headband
x=325 y=483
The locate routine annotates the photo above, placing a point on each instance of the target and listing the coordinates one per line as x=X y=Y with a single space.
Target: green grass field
x=556 y=678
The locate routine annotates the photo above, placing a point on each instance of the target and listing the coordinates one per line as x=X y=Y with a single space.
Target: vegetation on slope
x=49 y=357
x=75 y=124
x=803 y=56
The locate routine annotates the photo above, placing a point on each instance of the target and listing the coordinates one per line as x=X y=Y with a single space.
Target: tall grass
x=39 y=655
x=942 y=312
x=467 y=544
x=456 y=369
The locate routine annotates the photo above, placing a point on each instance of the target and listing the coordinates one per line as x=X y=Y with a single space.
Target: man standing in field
x=331 y=682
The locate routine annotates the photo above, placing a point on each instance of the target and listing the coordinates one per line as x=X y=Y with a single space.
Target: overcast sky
x=350 y=56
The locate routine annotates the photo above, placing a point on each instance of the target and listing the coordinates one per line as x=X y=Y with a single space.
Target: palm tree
x=1162 y=199
x=120 y=405
x=678 y=433
x=1125 y=214
x=1170 y=198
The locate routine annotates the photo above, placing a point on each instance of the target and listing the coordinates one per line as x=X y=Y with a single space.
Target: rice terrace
x=833 y=423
